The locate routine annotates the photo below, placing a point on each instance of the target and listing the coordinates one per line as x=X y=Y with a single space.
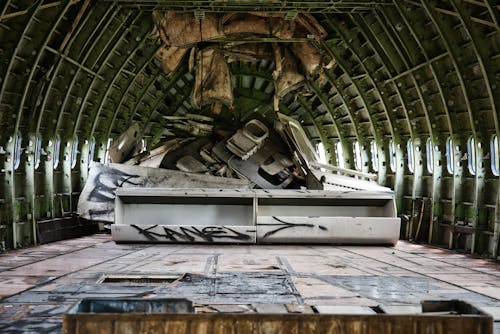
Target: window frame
x=74 y=152
x=471 y=155
x=56 y=153
x=429 y=155
x=18 y=151
x=320 y=150
x=358 y=163
x=392 y=156
x=374 y=152
x=38 y=151
x=107 y=158
x=340 y=155
x=410 y=149
x=90 y=157
x=495 y=155
x=450 y=156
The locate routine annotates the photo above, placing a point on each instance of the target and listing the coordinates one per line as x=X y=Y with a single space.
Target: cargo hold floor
x=39 y=284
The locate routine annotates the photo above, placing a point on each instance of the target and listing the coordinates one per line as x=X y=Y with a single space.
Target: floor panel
x=39 y=284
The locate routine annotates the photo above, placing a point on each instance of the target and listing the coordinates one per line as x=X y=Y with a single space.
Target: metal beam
x=6 y=16
x=327 y=6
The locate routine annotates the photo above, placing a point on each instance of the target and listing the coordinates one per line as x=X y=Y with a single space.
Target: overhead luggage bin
x=255 y=216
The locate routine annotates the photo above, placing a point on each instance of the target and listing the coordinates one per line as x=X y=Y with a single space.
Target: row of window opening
x=452 y=154
x=53 y=151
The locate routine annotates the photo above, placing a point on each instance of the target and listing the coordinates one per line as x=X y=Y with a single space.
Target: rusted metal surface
x=275 y=323
x=112 y=307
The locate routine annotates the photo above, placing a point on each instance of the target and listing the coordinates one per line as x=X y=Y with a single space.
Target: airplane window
x=108 y=145
x=495 y=156
x=430 y=156
x=320 y=149
x=144 y=145
x=357 y=156
x=74 y=152
x=411 y=156
x=57 y=149
x=392 y=156
x=471 y=155
x=340 y=155
x=91 y=151
x=17 y=151
x=450 y=158
x=374 y=149
x=38 y=150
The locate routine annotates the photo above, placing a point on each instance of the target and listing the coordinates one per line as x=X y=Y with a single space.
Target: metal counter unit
x=255 y=216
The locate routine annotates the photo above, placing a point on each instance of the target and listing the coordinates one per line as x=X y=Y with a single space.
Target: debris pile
x=198 y=155
x=253 y=156
x=255 y=152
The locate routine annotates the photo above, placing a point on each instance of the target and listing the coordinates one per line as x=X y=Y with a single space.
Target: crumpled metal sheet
x=190 y=164
x=185 y=30
x=123 y=146
x=160 y=151
x=213 y=79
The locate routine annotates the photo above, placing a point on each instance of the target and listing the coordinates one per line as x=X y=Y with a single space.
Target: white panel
x=357 y=230
x=322 y=211
x=186 y=214
x=176 y=234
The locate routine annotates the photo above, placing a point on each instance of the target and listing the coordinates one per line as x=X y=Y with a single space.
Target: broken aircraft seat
x=246 y=141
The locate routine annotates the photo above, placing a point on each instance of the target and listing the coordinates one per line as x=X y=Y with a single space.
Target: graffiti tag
x=283 y=225
x=192 y=233
x=106 y=182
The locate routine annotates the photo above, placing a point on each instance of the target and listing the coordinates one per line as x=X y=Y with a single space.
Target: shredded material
x=213 y=79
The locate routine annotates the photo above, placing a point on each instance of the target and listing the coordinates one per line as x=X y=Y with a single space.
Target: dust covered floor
x=39 y=284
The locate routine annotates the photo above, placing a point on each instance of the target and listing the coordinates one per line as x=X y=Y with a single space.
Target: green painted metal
x=324 y=100
x=318 y=126
x=59 y=68
x=437 y=168
x=326 y=6
x=101 y=69
x=12 y=14
x=128 y=90
x=482 y=59
x=406 y=69
x=115 y=78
